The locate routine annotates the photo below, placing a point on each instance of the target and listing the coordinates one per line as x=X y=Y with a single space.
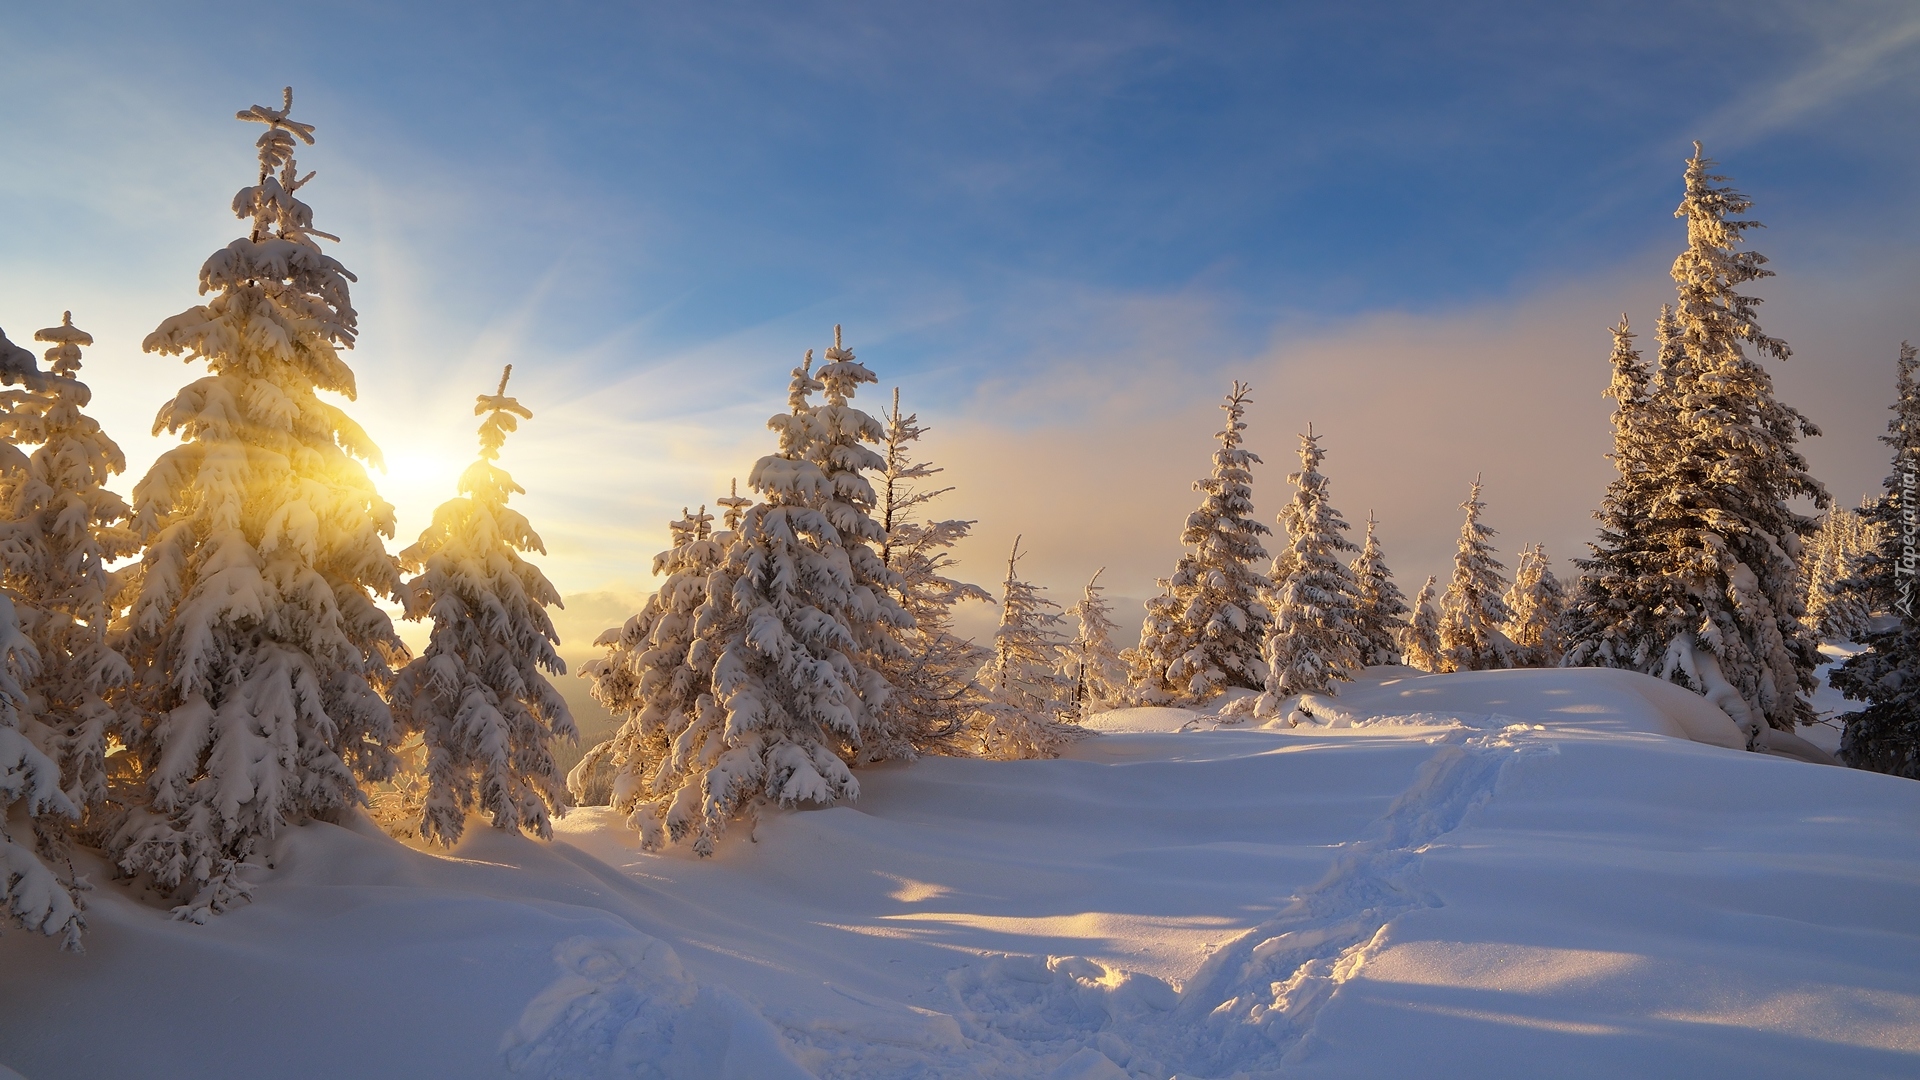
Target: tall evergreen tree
x=1838 y=606
x=801 y=616
x=1625 y=609
x=59 y=528
x=1315 y=637
x=934 y=690
x=32 y=894
x=1423 y=631
x=650 y=677
x=1885 y=735
x=1380 y=605
x=1204 y=632
x=479 y=695
x=1473 y=609
x=258 y=649
x=1537 y=604
x=1721 y=539
x=1025 y=698
x=1090 y=662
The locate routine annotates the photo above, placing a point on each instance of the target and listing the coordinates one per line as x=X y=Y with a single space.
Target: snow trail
x=1252 y=1007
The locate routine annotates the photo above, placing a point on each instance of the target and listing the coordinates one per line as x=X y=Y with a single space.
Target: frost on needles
x=478 y=695
x=1203 y=633
x=1696 y=576
x=1885 y=734
x=783 y=684
x=258 y=650
x=1315 y=637
x=652 y=768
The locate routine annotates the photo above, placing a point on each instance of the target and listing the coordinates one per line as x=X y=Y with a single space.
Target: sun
x=422 y=471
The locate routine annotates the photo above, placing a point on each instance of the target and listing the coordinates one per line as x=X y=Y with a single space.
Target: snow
x=1504 y=873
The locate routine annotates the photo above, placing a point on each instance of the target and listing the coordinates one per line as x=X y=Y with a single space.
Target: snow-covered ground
x=1830 y=704
x=1544 y=873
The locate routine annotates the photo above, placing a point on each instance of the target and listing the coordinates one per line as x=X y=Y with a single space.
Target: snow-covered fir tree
x=1315 y=638
x=1885 y=735
x=1204 y=632
x=1473 y=609
x=650 y=769
x=59 y=528
x=1380 y=607
x=1624 y=608
x=801 y=616
x=1536 y=603
x=1720 y=542
x=934 y=689
x=1090 y=661
x=478 y=695
x=1422 y=634
x=258 y=650
x=1838 y=606
x=1026 y=698
x=33 y=894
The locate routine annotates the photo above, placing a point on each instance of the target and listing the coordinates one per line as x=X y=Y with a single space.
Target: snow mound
x=625 y=1007
x=1144 y=718
x=1584 y=700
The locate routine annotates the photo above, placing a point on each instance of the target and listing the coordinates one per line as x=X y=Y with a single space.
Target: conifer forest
x=986 y=713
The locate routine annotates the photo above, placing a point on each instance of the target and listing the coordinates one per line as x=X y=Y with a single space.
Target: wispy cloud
x=1865 y=59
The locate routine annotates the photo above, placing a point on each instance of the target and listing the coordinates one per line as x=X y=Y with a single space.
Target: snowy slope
x=1506 y=874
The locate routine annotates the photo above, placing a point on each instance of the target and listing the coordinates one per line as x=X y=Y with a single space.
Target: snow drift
x=1494 y=874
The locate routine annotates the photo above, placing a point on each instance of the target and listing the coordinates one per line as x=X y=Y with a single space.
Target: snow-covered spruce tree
x=1380 y=606
x=1026 y=697
x=1885 y=735
x=934 y=689
x=1315 y=636
x=478 y=695
x=1473 y=611
x=1536 y=603
x=1838 y=608
x=1203 y=633
x=32 y=894
x=1090 y=662
x=648 y=769
x=59 y=528
x=1625 y=608
x=1422 y=634
x=1721 y=536
x=258 y=650
x=800 y=617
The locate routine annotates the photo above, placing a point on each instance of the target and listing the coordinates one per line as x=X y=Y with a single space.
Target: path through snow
x=1251 y=1007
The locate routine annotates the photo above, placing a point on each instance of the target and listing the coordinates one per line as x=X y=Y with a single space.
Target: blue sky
x=1061 y=228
